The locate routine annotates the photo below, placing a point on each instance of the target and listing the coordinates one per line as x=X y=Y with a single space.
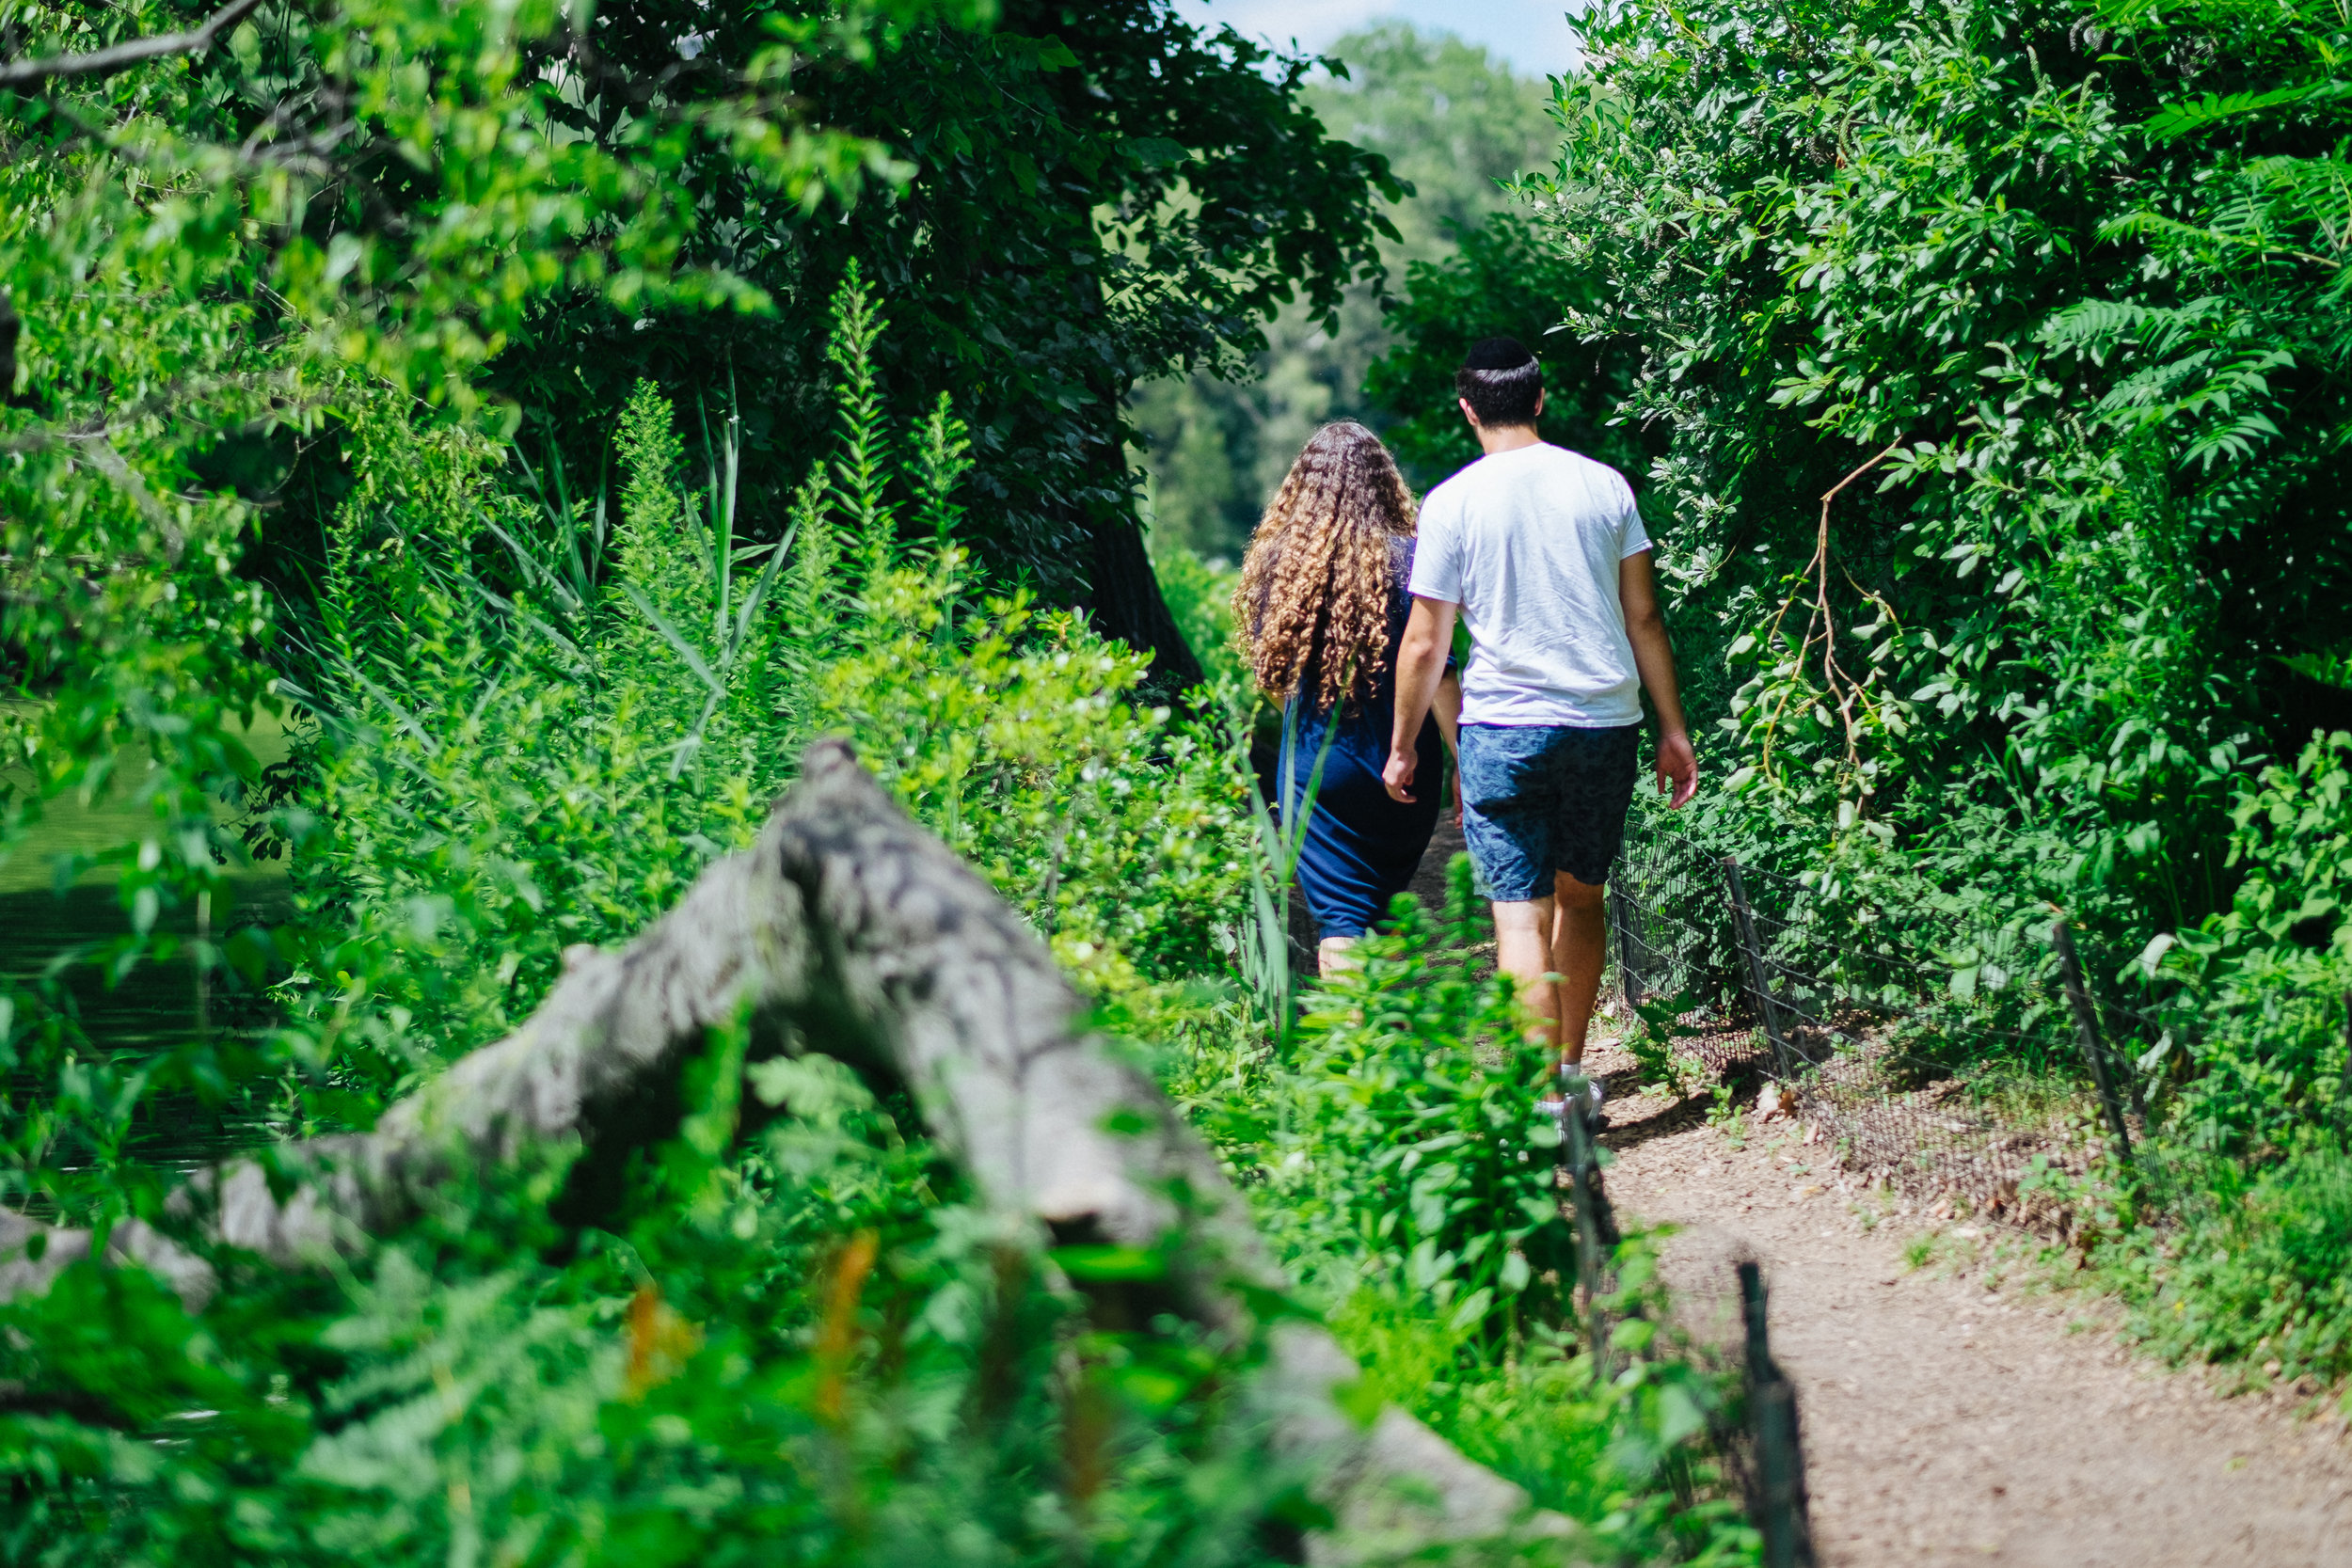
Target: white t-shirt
x=1527 y=543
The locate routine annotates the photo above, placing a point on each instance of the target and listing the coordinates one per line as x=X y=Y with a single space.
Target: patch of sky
x=1531 y=36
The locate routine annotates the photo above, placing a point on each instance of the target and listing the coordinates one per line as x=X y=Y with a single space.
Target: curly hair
x=1314 y=600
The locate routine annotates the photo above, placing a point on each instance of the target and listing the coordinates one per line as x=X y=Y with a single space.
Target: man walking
x=1542 y=554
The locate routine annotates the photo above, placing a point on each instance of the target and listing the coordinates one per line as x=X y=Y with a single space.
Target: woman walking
x=1322 y=602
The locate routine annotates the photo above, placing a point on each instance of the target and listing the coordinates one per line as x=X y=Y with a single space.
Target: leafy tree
x=1453 y=123
x=1905 y=239
x=234 y=234
x=1503 y=280
x=1090 y=195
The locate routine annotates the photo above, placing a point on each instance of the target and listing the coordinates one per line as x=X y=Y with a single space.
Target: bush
x=1394 y=1156
x=533 y=737
x=2254 y=1265
x=1403 y=1145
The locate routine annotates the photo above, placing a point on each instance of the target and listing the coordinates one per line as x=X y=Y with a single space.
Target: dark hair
x=1501 y=381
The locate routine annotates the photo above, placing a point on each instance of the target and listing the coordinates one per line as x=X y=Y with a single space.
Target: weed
x=1727 y=1116
x=1651 y=1040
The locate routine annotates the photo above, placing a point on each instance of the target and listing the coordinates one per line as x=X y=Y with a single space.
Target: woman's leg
x=1335 y=955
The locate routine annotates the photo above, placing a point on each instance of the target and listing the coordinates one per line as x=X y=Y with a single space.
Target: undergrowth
x=533 y=718
x=1391 y=1149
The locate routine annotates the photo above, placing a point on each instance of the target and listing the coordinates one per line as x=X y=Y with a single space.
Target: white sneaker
x=1556 y=1105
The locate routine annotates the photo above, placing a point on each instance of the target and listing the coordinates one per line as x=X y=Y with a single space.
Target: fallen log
x=847 y=928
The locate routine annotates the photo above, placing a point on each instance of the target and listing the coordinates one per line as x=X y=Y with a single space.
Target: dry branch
x=121 y=56
x=848 y=927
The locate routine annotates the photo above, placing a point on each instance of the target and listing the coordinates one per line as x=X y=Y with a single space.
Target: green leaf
x=1515 y=1273
x=1110 y=1263
x=1360 y=1399
x=1155 y=151
x=1473 y=1307
x=2175 y=121
x=1632 y=1335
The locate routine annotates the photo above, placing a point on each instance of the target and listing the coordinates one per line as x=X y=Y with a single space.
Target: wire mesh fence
x=1942 y=1059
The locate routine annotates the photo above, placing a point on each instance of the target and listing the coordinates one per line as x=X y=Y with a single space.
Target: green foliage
x=1419 y=1153
x=791 y=1341
x=2002 y=351
x=1500 y=280
x=528 y=712
x=1621 y=1456
x=2034 y=636
x=508 y=774
x=1086 y=198
x=2256 y=1269
x=1200 y=597
x=2261 y=1001
x=206 y=262
x=1394 y=1156
x=1016 y=738
x=2293 y=840
x=2008 y=642
x=1658 y=1025
x=1453 y=123
x=272 y=189
x=830 y=1360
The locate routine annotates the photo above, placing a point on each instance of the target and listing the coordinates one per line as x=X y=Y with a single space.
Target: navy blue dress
x=1361 y=846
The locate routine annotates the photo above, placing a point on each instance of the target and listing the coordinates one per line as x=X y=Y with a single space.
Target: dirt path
x=1952 y=1413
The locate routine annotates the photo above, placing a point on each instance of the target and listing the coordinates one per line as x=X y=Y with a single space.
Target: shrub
x=1394 y=1156
x=530 y=741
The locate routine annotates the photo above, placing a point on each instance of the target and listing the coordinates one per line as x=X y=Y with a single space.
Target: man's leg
x=1523 y=950
x=1336 y=954
x=1579 y=944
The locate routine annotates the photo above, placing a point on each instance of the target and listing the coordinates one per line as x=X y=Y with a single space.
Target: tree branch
x=105 y=62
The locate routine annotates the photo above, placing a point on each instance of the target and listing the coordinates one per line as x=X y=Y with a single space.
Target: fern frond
x=860 y=473
x=813 y=611
x=942 y=447
x=2175 y=121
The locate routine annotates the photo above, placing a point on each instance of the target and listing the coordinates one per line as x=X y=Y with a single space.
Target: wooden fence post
x=1759 y=985
x=2087 y=1028
x=1592 y=1231
x=1779 y=1502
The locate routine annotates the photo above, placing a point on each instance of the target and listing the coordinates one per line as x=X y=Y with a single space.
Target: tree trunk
x=1122 y=592
x=848 y=928
x=1128 y=605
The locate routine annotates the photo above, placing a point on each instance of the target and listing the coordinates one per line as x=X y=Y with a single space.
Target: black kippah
x=1497 y=354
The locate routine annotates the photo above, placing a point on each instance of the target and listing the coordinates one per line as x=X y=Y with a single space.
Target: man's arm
x=1419 y=664
x=1449 y=710
x=1654 y=656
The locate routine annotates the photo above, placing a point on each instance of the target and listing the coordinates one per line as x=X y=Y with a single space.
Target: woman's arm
x=1420 y=665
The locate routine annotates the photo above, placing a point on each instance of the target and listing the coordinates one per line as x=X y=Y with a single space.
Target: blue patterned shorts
x=1539 y=799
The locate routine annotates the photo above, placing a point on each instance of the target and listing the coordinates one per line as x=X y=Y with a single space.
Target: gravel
x=1965 y=1409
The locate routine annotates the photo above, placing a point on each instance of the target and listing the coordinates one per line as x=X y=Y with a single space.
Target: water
x=158 y=1007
